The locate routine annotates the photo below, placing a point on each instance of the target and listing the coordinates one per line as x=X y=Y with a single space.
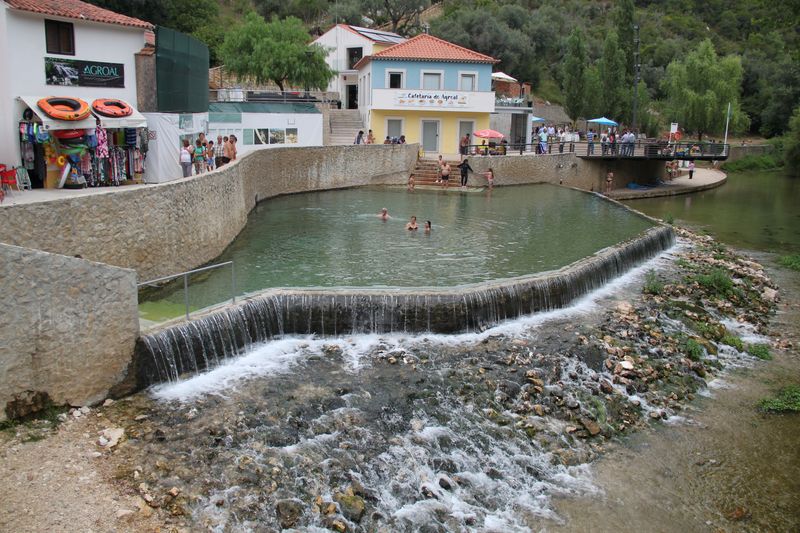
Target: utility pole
x=636 y=71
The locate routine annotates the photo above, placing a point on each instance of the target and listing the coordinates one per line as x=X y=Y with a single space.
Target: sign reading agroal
x=432 y=99
x=60 y=71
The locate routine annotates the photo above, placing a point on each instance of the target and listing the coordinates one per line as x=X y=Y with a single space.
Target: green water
x=753 y=210
x=336 y=239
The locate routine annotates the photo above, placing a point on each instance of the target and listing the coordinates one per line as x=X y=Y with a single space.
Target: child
x=411 y=182
x=490 y=177
x=210 y=164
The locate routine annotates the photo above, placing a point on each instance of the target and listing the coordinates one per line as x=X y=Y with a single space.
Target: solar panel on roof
x=378 y=35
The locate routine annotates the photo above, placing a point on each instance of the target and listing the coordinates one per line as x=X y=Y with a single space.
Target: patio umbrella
x=502 y=76
x=488 y=134
x=603 y=121
x=538 y=119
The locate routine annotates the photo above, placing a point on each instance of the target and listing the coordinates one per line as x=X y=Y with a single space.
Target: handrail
x=186 y=281
x=640 y=149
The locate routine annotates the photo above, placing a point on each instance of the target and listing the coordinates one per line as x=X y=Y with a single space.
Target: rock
x=655 y=415
x=109 y=402
x=538 y=409
x=606 y=387
x=339 y=526
x=288 y=512
x=111 y=436
x=191 y=414
x=591 y=426
x=769 y=294
x=519 y=342
x=351 y=505
x=139 y=418
x=572 y=403
x=174 y=491
x=740 y=513
x=445 y=483
x=626 y=365
x=122 y=513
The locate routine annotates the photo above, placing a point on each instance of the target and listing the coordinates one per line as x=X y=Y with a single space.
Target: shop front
x=67 y=142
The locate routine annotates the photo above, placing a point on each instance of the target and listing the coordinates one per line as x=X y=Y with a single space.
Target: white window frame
x=474 y=74
x=400 y=71
x=386 y=127
x=422 y=122
x=422 y=79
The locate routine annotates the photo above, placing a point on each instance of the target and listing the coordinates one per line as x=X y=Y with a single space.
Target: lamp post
x=636 y=70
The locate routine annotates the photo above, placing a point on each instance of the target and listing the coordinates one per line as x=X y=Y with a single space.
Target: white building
x=62 y=48
x=346 y=46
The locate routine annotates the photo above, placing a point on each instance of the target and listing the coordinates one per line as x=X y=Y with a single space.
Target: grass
x=732 y=340
x=786 y=401
x=790 y=261
x=769 y=161
x=652 y=285
x=693 y=349
x=717 y=282
x=669 y=219
x=760 y=350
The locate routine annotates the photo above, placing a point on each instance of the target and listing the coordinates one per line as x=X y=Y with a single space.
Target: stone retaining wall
x=738 y=152
x=69 y=328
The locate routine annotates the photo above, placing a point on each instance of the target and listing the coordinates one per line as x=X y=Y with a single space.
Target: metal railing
x=186 y=281
x=640 y=149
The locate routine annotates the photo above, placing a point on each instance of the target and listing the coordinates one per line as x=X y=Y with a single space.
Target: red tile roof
x=426 y=47
x=75 y=9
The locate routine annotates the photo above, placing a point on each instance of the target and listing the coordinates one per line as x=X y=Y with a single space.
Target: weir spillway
x=206 y=341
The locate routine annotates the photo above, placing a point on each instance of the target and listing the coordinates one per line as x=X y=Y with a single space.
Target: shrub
x=760 y=350
x=787 y=400
x=732 y=340
x=669 y=219
x=717 y=281
x=693 y=349
x=652 y=285
x=768 y=161
x=790 y=261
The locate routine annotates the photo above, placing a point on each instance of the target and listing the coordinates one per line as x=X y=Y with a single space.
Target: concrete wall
x=738 y=152
x=171 y=227
x=69 y=328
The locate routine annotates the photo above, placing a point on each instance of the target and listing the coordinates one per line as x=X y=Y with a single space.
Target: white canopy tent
x=502 y=76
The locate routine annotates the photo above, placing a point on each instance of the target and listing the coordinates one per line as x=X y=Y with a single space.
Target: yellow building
x=428 y=90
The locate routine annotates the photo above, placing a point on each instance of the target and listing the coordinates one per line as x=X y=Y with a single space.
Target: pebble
x=122 y=513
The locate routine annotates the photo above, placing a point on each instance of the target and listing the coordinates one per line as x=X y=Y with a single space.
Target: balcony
x=425 y=100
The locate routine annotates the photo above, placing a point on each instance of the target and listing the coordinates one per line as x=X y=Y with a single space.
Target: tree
x=594 y=93
x=574 y=78
x=791 y=145
x=401 y=14
x=699 y=88
x=277 y=51
x=624 y=20
x=612 y=78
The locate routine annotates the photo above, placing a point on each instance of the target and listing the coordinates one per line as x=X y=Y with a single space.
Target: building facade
x=428 y=90
x=62 y=48
x=347 y=45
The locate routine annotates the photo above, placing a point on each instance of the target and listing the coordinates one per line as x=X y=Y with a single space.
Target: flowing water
x=335 y=239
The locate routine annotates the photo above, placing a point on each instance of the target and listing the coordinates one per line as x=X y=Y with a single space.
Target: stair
x=344 y=124
x=425 y=172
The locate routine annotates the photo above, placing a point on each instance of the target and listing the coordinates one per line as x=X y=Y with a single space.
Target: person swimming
x=427 y=226
x=384 y=214
x=412 y=224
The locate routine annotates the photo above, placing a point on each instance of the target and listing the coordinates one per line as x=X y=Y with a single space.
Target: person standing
x=219 y=151
x=463 y=146
x=446 y=174
x=465 y=170
x=609 y=181
x=590 y=142
x=199 y=157
x=439 y=165
x=370 y=137
x=691 y=169
x=186 y=159
x=359 y=137
x=232 y=143
x=210 y=160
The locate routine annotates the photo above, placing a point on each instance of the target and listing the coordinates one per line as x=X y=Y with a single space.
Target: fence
x=640 y=149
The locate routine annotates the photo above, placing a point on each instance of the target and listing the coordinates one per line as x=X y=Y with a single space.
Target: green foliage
x=623 y=16
x=693 y=349
x=574 y=86
x=717 y=282
x=754 y=162
x=732 y=340
x=669 y=218
x=612 y=77
x=760 y=350
x=276 y=51
x=792 y=144
x=699 y=88
x=652 y=285
x=787 y=400
x=790 y=261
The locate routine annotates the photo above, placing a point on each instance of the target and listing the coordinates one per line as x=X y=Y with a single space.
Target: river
x=727 y=466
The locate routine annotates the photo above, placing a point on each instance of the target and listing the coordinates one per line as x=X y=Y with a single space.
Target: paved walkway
x=704 y=178
x=16 y=197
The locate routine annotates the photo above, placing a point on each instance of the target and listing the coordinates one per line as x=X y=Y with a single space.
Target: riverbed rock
x=289 y=512
x=591 y=426
x=110 y=437
x=352 y=506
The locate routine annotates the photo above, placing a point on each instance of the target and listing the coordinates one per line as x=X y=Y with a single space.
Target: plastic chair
x=7 y=179
x=23 y=180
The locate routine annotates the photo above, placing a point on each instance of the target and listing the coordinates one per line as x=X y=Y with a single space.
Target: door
x=352 y=96
x=518 y=123
x=464 y=127
x=430 y=135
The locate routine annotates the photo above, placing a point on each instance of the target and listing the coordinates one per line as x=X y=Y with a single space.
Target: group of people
x=443 y=170
x=206 y=155
x=412 y=222
x=370 y=138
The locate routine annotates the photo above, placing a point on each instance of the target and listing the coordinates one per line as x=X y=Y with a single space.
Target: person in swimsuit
x=490 y=177
x=411 y=182
x=412 y=224
x=384 y=214
x=445 y=174
x=439 y=164
x=427 y=226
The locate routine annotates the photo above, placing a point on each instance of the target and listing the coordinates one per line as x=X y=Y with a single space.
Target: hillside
x=530 y=36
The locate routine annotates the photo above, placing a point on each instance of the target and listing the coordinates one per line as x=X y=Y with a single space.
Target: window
x=466 y=82
x=291 y=135
x=395 y=80
x=60 y=37
x=394 y=127
x=432 y=81
x=354 y=55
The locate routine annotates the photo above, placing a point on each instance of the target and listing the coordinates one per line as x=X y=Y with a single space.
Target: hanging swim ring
x=111 y=107
x=64 y=108
x=68 y=134
x=61 y=161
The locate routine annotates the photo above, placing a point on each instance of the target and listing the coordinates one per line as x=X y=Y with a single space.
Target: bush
x=652 y=285
x=760 y=350
x=732 y=340
x=790 y=261
x=717 y=281
x=769 y=161
x=669 y=219
x=787 y=400
x=694 y=350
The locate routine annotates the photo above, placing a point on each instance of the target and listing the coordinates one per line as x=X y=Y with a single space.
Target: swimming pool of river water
x=336 y=239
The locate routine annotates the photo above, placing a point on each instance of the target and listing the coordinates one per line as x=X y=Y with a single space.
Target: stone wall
x=175 y=226
x=738 y=151
x=68 y=330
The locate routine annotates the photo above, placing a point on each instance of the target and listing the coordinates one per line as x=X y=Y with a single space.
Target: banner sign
x=673 y=127
x=76 y=72
x=431 y=99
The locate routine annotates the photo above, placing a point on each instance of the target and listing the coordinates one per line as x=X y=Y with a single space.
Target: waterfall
x=204 y=342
